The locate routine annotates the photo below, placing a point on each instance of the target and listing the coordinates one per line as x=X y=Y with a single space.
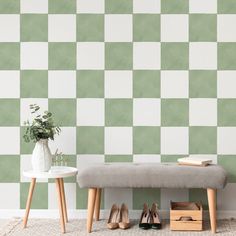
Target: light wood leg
x=211 y=194
x=29 y=200
x=58 y=187
x=91 y=203
x=97 y=204
x=63 y=200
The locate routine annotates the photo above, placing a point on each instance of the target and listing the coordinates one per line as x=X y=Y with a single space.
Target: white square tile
x=118 y=196
x=198 y=58
x=174 y=84
x=70 y=196
x=118 y=84
x=226 y=30
x=25 y=112
x=226 y=137
x=118 y=28
x=90 y=6
x=146 y=55
x=174 y=140
x=212 y=157
x=87 y=160
x=146 y=6
x=62 y=84
x=10 y=140
x=199 y=6
x=174 y=28
x=25 y=164
x=61 y=28
x=146 y=112
x=65 y=142
x=34 y=56
x=10 y=28
x=118 y=140
x=10 y=84
x=34 y=6
x=10 y=196
x=226 y=84
x=90 y=112
x=203 y=112
x=90 y=55
x=175 y=195
x=146 y=158
x=226 y=198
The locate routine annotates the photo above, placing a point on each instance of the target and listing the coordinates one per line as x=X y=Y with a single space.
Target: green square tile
x=62 y=6
x=62 y=56
x=90 y=140
x=174 y=56
x=34 y=27
x=226 y=56
x=34 y=84
x=90 y=84
x=9 y=6
x=146 y=84
x=227 y=6
x=145 y=195
x=199 y=195
x=171 y=158
x=203 y=27
x=203 y=84
x=10 y=112
x=202 y=140
x=118 y=112
x=40 y=195
x=174 y=6
x=9 y=169
x=64 y=111
x=146 y=140
x=118 y=158
x=90 y=27
x=118 y=56
x=25 y=148
x=118 y=6
x=228 y=163
x=174 y=112
x=227 y=112
x=9 y=56
x=146 y=27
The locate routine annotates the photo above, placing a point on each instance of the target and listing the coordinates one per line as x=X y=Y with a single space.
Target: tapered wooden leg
x=211 y=194
x=97 y=204
x=64 y=208
x=58 y=187
x=29 y=200
x=91 y=204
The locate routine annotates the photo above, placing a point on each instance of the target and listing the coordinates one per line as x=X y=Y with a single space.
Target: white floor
x=3 y=222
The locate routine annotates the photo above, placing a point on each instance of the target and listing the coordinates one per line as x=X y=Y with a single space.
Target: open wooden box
x=186 y=216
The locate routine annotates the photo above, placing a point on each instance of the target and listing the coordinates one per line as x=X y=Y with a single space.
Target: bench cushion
x=163 y=175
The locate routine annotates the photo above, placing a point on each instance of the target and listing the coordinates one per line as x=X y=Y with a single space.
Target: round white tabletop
x=53 y=173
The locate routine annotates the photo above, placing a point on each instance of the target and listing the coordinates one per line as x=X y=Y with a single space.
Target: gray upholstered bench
x=165 y=175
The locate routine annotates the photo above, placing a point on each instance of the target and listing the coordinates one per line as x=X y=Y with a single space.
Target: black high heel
x=155 y=219
x=144 y=222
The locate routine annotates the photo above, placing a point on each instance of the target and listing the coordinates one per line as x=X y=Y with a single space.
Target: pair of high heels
x=119 y=217
x=150 y=218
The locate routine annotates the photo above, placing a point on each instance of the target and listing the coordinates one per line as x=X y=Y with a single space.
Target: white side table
x=57 y=173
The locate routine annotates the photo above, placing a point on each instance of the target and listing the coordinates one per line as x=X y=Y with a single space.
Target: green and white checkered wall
x=128 y=81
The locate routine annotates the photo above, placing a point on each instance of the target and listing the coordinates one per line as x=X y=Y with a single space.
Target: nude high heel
x=113 y=221
x=124 y=217
x=155 y=219
x=144 y=222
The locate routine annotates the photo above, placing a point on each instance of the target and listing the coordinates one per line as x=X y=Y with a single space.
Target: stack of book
x=194 y=161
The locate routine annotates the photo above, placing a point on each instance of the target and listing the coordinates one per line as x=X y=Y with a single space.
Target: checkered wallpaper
x=128 y=81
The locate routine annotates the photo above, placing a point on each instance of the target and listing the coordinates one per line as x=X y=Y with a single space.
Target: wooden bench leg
x=91 y=205
x=211 y=194
x=97 y=204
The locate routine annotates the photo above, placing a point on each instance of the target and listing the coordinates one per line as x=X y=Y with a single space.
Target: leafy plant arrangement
x=42 y=126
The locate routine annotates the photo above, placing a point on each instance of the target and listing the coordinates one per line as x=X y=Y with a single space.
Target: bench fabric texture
x=163 y=175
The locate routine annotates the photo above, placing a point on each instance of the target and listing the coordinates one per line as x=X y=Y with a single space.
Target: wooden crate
x=186 y=216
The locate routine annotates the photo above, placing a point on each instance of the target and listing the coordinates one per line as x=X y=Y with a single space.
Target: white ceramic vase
x=41 y=157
